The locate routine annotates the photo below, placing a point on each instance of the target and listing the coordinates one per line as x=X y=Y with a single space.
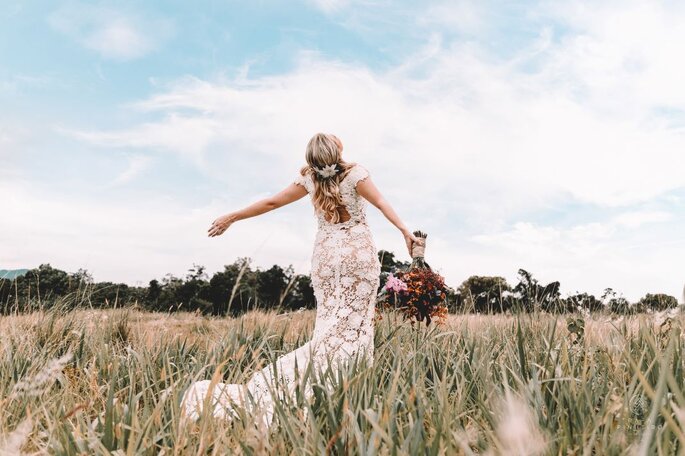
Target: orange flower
x=424 y=298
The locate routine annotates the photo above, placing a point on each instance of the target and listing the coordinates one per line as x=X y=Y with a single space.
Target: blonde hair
x=325 y=150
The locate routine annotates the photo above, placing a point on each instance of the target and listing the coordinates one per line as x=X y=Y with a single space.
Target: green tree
x=231 y=290
x=658 y=302
x=584 y=301
x=193 y=292
x=535 y=297
x=45 y=282
x=152 y=295
x=620 y=306
x=271 y=285
x=389 y=263
x=483 y=294
x=302 y=294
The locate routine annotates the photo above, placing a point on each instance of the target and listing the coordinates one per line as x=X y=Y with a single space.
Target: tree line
x=486 y=294
x=239 y=287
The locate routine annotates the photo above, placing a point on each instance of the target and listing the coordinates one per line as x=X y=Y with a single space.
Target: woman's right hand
x=409 y=239
x=220 y=225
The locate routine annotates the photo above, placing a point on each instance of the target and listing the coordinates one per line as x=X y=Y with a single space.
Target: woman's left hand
x=220 y=225
x=409 y=239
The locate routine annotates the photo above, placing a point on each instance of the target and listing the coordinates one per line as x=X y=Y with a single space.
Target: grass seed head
x=518 y=431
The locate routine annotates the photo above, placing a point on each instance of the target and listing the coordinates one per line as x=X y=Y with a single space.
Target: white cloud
x=141 y=239
x=136 y=165
x=530 y=239
x=590 y=257
x=467 y=147
x=468 y=121
x=465 y=143
x=113 y=34
x=639 y=218
x=5 y=141
x=622 y=55
x=459 y=16
x=18 y=82
x=119 y=39
x=330 y=6
x=186 y=136
x=13 y=139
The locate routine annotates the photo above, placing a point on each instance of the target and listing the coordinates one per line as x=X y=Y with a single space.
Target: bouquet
x=418 y=292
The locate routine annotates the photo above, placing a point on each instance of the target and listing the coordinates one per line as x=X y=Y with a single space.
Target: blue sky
x=540 y=135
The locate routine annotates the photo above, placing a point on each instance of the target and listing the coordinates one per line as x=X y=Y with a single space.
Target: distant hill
x=12 y=273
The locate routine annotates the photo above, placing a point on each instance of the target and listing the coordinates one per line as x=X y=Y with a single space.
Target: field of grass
x=110 y=382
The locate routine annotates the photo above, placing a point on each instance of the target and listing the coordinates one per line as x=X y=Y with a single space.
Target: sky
x=548 y=136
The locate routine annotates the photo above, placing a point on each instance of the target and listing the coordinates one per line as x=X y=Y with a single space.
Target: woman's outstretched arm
x=368 y=190
x=291 y=193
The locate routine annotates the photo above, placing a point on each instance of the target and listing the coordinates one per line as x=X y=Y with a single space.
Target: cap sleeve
x=358 y=174
x=302 y=180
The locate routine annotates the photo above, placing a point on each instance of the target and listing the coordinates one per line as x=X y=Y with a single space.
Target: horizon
x=536 y=135
x=209 y=274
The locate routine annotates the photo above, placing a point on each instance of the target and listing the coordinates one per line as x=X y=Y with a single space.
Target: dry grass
x=94 y=382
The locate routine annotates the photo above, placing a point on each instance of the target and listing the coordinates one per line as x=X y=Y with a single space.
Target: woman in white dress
x=344 y=272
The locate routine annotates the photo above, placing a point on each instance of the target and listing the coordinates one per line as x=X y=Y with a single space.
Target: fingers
x=219 y=225
x=216 y=230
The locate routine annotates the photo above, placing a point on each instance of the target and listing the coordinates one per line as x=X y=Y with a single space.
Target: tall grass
x=96 y=382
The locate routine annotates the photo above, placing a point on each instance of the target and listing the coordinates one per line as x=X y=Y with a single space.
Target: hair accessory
x=326 y=171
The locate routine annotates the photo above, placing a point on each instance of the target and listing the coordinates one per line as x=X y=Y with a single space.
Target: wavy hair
x=325 y=150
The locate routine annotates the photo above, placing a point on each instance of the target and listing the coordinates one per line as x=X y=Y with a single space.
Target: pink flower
x=395 y=284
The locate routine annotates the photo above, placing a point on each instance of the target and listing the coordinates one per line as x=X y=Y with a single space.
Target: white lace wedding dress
x=345 y=277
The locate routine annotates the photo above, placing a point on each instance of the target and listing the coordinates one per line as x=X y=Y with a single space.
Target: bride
x=344 y=274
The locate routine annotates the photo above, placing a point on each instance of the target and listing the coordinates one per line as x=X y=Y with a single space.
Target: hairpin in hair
x=326 y=171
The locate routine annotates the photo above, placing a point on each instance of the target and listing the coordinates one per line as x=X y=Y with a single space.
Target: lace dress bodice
x=354 y=203
x=345 y=272
x=345 y=277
